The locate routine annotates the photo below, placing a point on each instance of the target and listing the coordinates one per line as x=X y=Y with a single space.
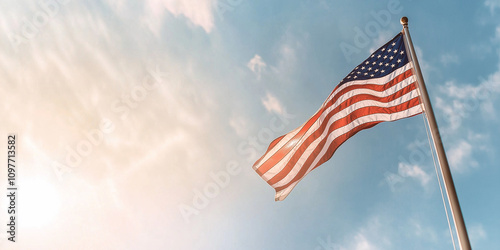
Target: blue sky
x=138 y=123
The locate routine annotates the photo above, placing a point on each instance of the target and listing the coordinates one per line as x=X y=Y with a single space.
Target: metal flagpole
x=458 y=219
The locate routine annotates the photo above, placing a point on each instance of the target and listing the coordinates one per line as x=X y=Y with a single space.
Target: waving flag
x=382 y=88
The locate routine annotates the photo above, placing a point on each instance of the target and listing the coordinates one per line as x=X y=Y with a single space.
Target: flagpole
x=458 y=219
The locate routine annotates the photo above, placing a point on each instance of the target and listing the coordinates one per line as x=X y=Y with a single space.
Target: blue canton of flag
x=382 y=62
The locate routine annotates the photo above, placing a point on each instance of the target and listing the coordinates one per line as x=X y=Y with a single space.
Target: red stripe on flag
x=345 y=104
x=286 y=148
x=340 y=140
x=338 y=124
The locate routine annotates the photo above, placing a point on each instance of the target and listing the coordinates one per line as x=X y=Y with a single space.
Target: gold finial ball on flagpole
x=404 y=20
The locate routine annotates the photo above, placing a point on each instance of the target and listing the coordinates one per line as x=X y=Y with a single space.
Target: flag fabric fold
x=381 y=88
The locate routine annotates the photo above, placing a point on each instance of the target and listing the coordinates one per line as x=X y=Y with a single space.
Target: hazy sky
x=138 y=123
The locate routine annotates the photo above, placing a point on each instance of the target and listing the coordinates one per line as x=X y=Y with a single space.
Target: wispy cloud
x=422 y=60
x=492 y=5
x=422 y=231
x=460 y=156
x=449 y=58
x=415 y=172
x=406 y=172
x=198 y=12
x=380 y=40
x=288 y=57
x=383 y=230
x=239 y=125
x=257 y=65
x=361 y=243
x=78 y=70
x=477 y=233
x=451 y=112
x=366 y=237
x=459 y=102
x=288 y=51
x=272 y=104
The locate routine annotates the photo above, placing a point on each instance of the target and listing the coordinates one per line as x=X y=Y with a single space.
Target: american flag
x=381 y=88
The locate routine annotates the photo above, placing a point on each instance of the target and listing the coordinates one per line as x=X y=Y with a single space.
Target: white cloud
x=384 y=231
x=492 y=83
x=405 y=171
x=257 y=65
x=240 y=125
x=447 y=59
x=288 y=57
x=415 y=172
x=367 y=237
x=452 y=115
x=199 y=12
x=288 y=53
x=460 y=101
x=393 y=180
x=497 y=35
x=272 y=104
x=380 y=40
x=477 y=233
x=422 y=231
x=480 y=141
x=460 y=157
x=425 y=66
x=492 y=5
x=469 y=91
x=361 y=243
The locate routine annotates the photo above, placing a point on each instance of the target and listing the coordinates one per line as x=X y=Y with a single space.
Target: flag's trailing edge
x=381 y=88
